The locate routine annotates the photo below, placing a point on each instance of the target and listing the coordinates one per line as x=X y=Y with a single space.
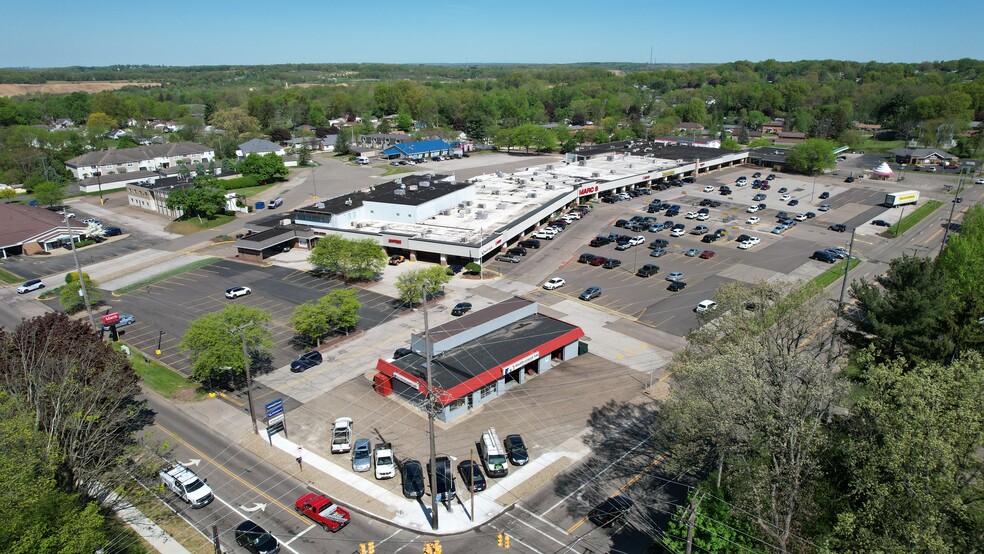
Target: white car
x=575 y=214
x=91 y=221
x=708 y=188
x=691 y=215
x=554 y=283
x=753 y=240
x=678 y=232
x=785 y=198
x=236 y=292
x=542 y=234
x=800 y=217
x=706 y=306
x=752 y=220
x=384 y=462
x=979 y=182
x=752 y=209
x=745 y=245
x=703 y=217
x=636 y=241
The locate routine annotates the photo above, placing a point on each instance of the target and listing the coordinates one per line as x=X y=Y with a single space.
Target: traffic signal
x=437 y=547
x=428 y=548
x=500 y=539
x=506 y=539
x=362 y=548
x=371 y=547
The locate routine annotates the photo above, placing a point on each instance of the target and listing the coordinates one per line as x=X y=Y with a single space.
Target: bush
x=87 y=242
x=239 y=182
x=473 y=267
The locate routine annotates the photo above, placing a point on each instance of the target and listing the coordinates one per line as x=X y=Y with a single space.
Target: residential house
x=774 y=127
x=258 y=146
x=790 y=137
x=690 y=127
x=923 y=156
x=421 y=150
x=867 y=127
x=136 y=163
x=383 y=140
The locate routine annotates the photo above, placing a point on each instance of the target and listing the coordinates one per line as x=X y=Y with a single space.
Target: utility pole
x=471 y=467
x=78 y=268
x=953 y=207
x=694 y=503
x=249 y=378
x=215 y=539
x=840 y=301
x=430 y=403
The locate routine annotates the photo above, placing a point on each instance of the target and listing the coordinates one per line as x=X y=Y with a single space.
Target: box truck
x=896 y=199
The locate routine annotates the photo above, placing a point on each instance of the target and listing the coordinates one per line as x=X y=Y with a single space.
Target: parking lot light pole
x=78 y=268
x=98 y=175
x=249 y=378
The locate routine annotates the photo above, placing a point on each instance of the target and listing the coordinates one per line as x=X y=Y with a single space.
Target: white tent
x=882 y=170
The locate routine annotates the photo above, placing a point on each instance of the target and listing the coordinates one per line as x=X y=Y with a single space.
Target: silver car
x=361 y=455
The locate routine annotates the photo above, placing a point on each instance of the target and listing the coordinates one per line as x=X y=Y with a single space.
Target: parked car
x=412 y=474
x=676 y=286
x=28 y=286
x=361 y=455
x=590 y=293
x=91 y=221
x=824 y=256
x=752 y=209
x=699 y=230
x=674 y=276
x=401 y=352
x=659 y=243
x=648 y=270
x=657 y=252
x=752 y=220
x=306 y=361
x=706 y=254
x=824 y=195
x=322 y=511
x=396 y=260
x=530 y=243
x=554 y=283
x=793 y=202
x=611 y=263
x=837 y=252
x=709 y=238
x=881 y=223
x=598 y=260
x=779 y=229
x=236 y=292
x=693 y=252
x=510 y=258
x=784 y=198
x=585 y=258
x=839 y=227
x=112 y=231
x=471 y=475
x=824 y=207
x=256 y=539
x=461 y=308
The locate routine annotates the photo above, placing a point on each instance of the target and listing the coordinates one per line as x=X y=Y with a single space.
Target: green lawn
x=833 y=274
x=192 y=225
x=395 y=170
x=250 y=192
x=162 y=380
x=911 y=219
x=872 y=145
x=8 y=277
x=166 y=275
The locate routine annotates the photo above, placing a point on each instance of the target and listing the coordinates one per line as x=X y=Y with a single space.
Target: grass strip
x=832 y=275
x=166 y=275
x=162 y=380
x=909 y=221
x=8 y=277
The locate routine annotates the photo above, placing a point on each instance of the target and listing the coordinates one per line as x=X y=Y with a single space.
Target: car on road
x=648 y=270
x=838 y=227
x=676 y=286
x=461 y=308
x=979 y=182
x=706 y=254
x=306 y=361
x=752 y=220
x=322 y=511
x=471 y=475
x=125 y=319
x=396 y=260
x=784 y=198
x=516 y=450
x=412 y=474
x=824 y=207
x=256 y=539
x=705 y=306
x=693 y=252
x=708 y=188
x=28 y=286
x=674 y=276
x=783 y=190
x=793 y=202
x=236 y=292
x=590 y=293
x=881 y=223
x=361 y=455
x=611 y=263
x=510 y=258
x=554 y=283
x=824 y=195
x=824 y=256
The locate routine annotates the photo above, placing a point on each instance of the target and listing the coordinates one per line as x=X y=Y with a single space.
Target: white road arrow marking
x=191 y=462
x=256 y=506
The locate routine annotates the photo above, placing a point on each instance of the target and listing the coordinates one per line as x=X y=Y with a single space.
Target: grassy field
x=872 y=145
x=395 y=170
x=162 y=276
x=910 y=220
x=8 y=277
x=250 y=192
x=192 y=225
x=162 y=380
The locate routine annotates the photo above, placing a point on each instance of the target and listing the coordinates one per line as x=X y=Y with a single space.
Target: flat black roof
x=476 y=357
x=652 y=150
x=413 y=193
x=769 y=154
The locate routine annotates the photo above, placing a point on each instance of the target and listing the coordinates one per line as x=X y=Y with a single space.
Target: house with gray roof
x=922 y=156
x=103 y=168
x=260 y=147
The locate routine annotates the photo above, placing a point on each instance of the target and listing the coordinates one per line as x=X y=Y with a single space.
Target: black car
x=648 y=270
x=445 y=489
x=881 y=223
x=471 y=475
x=112 y=231
x=254 y=538
x=709 y=238
x=600 y=241
x=516 y=450
x=622 y=223
x=401 y=352
x=461 y=308
x=610 y=511
x=659 y=243
x=530 y=243
x=849 y=180
x=585 y=258
x=413 y=479
x=676 y=286
x=517 y=251
x=306 y=361
x=611 y=263
x=839 y=227
x=793 y=202
x=609 y=199
x=824 y=256
x=455 y=269
x=824 y=195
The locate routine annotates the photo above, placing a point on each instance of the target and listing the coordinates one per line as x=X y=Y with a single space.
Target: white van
x=275 y=203
x=362 y=160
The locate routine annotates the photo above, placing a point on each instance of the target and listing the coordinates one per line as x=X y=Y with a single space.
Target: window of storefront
x=487 y=390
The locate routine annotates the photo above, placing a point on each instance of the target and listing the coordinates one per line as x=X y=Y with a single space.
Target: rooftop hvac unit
x=595 y=174
x=630 y=166
x=582 y=163
x=611 y=172
x=481 y=215
x=550 y=186
x=461 y=205
x=483 y=186
x=499 y=174
x=348 y=201
x=320 y=205
x=413 y=187
x=550 y=167
x=531 y=195
x=536 y=173
x=429 y=175
x=501 y=206
x=400 y=192
x=425 y=184
x=285 y=222
x=610 y=158
x=481 y=206
x=461 y=215
x=496 y=192
x=466 y=211
x=399 y=180
x=445 y=212
x=468 y=202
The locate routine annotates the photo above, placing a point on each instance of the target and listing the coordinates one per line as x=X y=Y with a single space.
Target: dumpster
x=259 y=206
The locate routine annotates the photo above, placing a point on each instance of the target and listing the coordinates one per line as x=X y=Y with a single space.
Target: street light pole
x=249 y=378
x=78 y=268
x=953 y=207
x=98 y=175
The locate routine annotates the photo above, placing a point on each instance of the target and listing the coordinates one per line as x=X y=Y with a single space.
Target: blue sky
x=55 y=33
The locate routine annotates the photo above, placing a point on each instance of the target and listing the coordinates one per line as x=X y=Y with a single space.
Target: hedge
x=239 y=182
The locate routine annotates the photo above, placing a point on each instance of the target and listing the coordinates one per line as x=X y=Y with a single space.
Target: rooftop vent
x=501 y=206
x=425 y=184
x=610 y=158
x=413 y=187
x=400 y=192
x=582 y=163
x=320 y=205
x=550 y=167
x=595 y=174
x=531 y=195
x=399 y=180
x=348 y=202
x=481 y=206
x=481 y=215
x=550 y=186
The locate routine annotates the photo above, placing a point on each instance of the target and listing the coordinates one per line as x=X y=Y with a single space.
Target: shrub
x=239 y=182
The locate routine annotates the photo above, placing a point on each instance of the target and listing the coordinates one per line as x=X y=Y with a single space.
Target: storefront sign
x=491 y=246
x=667 y=173
x=394 y=241
x=588 y=190
x=520 y=363
x=645 y=177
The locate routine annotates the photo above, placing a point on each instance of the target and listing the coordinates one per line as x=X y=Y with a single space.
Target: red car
x=707 y=254
x=321 y=510
x=598 y=260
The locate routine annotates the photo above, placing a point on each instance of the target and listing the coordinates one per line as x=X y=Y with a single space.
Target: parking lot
x=776 y=256
x=169 y=306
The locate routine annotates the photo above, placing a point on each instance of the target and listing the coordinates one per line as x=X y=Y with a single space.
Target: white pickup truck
x=186 y=484
x=385 y=464
x=341 y=435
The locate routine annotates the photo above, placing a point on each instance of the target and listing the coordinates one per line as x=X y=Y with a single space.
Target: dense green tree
x=908 y=459
x=49 y=193
x=214 y=342
x=730 y=144
x=265 y=168
x=70 y=295
x=198 y=201
x=235 y=121
x=414 y=283
x=812 y=156
x=716 y=530
x=962 y=265
x=336 y=311
x=360 y=259
x=342 y=143
x=98 y=124
x=280 y=135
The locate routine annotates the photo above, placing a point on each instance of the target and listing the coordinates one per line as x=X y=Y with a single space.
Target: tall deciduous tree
x=336 y=311
x=198 y=201
x=812 y=156
x=414 y=283
x=214 y=342
x=235 y=121
x=49 y=193
x=962 y=265
x=349 y=259
x=78 y=391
